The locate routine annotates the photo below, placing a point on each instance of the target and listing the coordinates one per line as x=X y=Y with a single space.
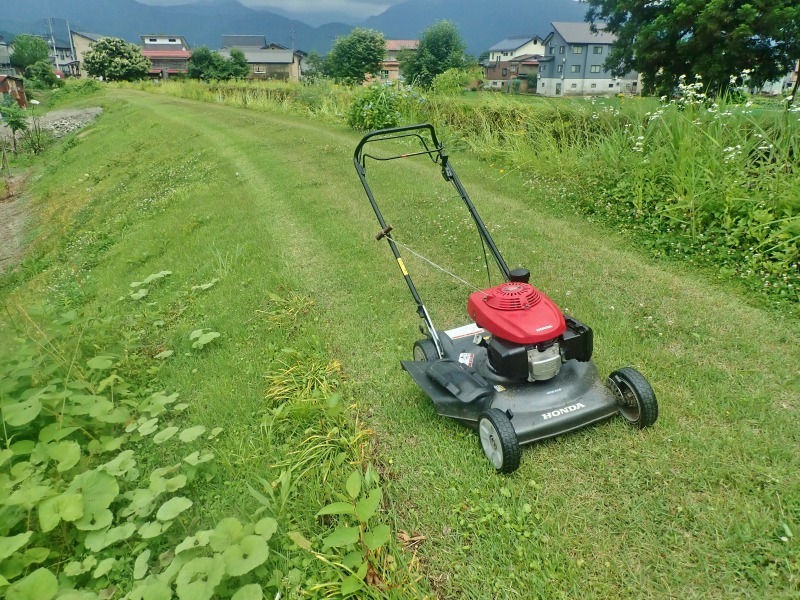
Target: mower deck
x=574 y=398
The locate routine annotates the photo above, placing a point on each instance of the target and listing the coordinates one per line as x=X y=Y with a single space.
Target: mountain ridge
x=204 y=23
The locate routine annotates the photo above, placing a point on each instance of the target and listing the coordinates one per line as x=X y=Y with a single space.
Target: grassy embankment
x=704 y=504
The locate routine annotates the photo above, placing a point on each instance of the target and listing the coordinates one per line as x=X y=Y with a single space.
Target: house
x=81 y=42
x=514 y=58
x=13 y=87
x=573 y=63
x=62 y=56
x=390 y=67
x=783 y=86
x=266 y=61
x=5 y=59
x=169 y=55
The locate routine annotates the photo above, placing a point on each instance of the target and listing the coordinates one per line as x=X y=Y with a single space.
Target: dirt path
x=13 y=217
x=13 y=208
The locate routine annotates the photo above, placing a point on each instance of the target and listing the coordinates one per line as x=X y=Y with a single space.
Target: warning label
x=466 y=359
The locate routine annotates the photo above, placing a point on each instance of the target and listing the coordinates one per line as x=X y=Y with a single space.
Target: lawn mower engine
x=530 y=337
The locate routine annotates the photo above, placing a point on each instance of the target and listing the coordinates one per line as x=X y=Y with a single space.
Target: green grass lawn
x=706 y=504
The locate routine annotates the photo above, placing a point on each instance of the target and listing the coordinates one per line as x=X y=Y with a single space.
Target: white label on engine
x=466 y=359
x=464 y=331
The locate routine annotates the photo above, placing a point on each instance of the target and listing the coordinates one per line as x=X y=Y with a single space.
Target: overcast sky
x=360 y=9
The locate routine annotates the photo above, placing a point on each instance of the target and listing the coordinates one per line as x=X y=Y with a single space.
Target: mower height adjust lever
x=383 y=232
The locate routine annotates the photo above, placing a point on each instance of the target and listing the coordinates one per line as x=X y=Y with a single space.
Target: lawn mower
x=521 y=371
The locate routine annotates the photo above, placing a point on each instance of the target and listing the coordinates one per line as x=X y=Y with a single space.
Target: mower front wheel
x=636 y=399
x=499 y=440
x=425 y=350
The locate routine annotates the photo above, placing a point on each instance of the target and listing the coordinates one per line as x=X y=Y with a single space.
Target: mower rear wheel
x=425 y=350
x=636 y=399
x=499 y=440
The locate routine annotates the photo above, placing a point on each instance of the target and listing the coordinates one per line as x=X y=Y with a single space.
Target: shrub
x=376 y=108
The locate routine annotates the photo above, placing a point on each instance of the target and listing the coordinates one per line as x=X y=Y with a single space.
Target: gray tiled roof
x=244 y=41
x=91 y=36
x=263 y=56
x=512 y=43
x=580 y=33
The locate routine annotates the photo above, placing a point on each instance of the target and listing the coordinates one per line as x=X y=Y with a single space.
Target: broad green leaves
x=98 y=489
x=199 y=577
x=39 y=585
x=341 y=536
x=64 y=507
x=172 y=508
x=9 y=545
x=354 y=539
x=21 y=413
x=98 y=540
x=203 y=337
x=246 y=555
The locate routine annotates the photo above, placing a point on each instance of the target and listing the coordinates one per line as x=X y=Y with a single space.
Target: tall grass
x=714 y=184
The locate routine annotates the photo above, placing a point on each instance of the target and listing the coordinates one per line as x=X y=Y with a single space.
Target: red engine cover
x=517 y=312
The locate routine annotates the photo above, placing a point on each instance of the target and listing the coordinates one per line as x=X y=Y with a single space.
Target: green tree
x=356 y=55
x=208 y=65
x=205 y=64
x=27 y=50
x=314 y=66
x=15 y=117
x=236 y=66
x=114 y=59
x=41 y=74
x=716 y=40
x=440 y=49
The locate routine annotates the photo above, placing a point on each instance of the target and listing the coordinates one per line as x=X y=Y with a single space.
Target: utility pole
x=73 y=56
x=49 y=22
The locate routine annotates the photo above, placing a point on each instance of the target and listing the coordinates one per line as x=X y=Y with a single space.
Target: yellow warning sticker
x=402 y=266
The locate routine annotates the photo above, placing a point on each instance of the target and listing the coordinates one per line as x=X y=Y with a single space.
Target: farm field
x=268 y=209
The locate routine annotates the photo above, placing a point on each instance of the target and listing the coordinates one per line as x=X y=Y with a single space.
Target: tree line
x=660 y=39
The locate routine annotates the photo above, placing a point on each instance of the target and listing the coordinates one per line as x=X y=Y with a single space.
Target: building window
x=506 y=53
x=611 y=85
x=505 y=72
x=259 y=69
x=543 y=84
x=594 y=85
x=577 y=49
x=552 y=49
x=562 y=49
x=595 y=68
x=598 y=49
x=575 y=69
x=574 y=85
x=172 y=40
x=152 y=40
x=513 y=68
x=385 y=74
x=560 y=68
x=542 y=68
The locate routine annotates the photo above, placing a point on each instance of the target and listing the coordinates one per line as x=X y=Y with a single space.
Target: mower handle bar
x=391 y=133
x=438 y=156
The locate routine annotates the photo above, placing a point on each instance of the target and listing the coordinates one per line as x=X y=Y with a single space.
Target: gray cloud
x=352 y=8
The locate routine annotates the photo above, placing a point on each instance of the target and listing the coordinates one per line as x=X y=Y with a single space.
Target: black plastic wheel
x=425 y=350
x=499 y=440
x=636 y=399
